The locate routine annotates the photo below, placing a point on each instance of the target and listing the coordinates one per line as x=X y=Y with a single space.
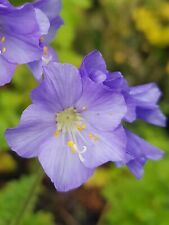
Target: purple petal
x=104 y=110
x=12 y=18
x=116 y=81
x=37 y=124
x=43 y=22
x=50 y=7
x=140 y=151
x=145 y=97
x=6 y=71
x=37 y=69
x=91 y=63
x=22 y=45
x=103 y=147
x=65 y=82
x=137 y=168
x=153 y=116
x=45 y=95
x=5 y=3
x=54 y=26
x=146 y=93
x=62 y=166
x=21 y=51
x=131 y=108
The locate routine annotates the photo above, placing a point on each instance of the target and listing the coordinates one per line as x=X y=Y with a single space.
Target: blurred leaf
x=40 y=218
x=7 y=163
x=14 y=197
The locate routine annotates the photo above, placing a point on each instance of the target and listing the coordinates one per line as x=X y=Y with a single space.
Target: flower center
x=68 y=120
x=70 y=124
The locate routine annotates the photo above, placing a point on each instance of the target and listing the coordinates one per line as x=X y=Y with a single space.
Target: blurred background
x=133 y=36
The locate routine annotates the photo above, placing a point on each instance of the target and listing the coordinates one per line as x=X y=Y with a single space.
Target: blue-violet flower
x=141 y=103
x=73 y=126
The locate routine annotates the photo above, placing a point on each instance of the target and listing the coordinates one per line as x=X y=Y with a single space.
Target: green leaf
x=15 y=197
x=40 y=218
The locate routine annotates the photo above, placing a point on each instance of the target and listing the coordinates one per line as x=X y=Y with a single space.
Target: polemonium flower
x=73 y=126
x=142 y=103
x=20 y=32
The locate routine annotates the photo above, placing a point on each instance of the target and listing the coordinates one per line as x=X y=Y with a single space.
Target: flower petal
x=43 y=21
x=6 y=71
x=50 y=7
x=102 y=147
x=55 y=24
x=116 y=81
x=93 y=62
x=37 y=69
x=37 y=124
x=45 y=95
x=5 y=3
x=152 y=115
x=131 y=108
x=139 y=151
x=22 y=45
x=62 y=166
x=64 y=77
x=149 y=93
x=13 y=16
x=21 y=49
x=103 y=109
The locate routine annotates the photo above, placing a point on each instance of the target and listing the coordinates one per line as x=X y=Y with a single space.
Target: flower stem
x=30 y=195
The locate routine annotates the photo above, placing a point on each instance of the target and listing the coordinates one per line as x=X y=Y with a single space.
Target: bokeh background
x=133 y=36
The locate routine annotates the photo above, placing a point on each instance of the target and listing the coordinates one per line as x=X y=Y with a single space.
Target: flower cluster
x=76 y=120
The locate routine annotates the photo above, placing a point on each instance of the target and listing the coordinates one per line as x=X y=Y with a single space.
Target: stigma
x=74 y=149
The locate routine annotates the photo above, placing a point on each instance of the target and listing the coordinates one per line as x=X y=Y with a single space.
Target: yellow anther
x=73 y=150
x=93 y=137
x=45 y=50
x=70 y=143
x=56 y=134
x=72 y=146
x=3 y=39
x=4 y=50
x=81 y=127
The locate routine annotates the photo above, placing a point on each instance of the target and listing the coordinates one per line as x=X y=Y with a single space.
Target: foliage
x=18 y=199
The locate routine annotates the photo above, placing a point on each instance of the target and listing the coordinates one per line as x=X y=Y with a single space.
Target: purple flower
x=141 y=103
x=19 y=41
x=73 y=126
x=22 y=43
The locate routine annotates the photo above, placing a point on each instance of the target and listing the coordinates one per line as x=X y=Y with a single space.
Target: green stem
x=33 y=189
